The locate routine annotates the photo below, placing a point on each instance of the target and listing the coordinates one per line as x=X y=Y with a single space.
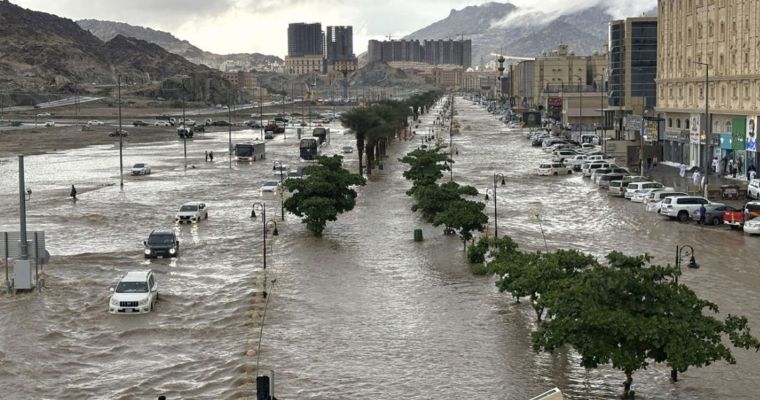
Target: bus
x=248 y=152
x=309 y=149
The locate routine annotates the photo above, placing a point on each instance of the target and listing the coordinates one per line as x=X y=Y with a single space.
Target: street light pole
x=278 y=165
x=495 y=210
x=121 y=138
x=184 y=130
x=708 y=126
x=263 y=209
x=229 y=116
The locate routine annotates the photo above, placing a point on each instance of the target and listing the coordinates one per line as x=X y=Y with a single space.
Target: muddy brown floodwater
x=363 y=312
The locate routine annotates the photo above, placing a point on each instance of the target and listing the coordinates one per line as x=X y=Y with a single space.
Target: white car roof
x=136 y=276
x=193 y=203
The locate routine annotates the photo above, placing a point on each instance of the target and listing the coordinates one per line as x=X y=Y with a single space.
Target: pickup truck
x=734 y=219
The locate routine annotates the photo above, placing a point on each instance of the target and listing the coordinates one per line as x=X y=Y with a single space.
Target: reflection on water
x=363 y=312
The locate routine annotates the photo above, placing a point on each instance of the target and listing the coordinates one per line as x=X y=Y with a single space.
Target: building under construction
x=434 y=52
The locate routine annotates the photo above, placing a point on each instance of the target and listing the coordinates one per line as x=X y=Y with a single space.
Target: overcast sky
x=246 y=26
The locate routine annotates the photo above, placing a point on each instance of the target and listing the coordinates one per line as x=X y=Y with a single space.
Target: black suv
x=161 y=243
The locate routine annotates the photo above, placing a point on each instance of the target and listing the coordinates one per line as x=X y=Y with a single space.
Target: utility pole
x=121 y=139
x=184 y=130
x=23 y=245
x=229 y=116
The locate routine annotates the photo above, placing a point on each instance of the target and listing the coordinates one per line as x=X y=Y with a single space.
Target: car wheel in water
x=716 y=221
x=555 y=173
x=683 y=216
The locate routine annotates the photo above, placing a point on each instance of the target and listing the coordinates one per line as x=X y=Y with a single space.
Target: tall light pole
x=495 y=210
x=121 y=137
x=262 y=207
x=580 y=117
x=707 y=123
x=229 y=116
x=278 y=165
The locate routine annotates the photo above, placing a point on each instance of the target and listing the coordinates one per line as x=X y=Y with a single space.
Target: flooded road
x=360 y=313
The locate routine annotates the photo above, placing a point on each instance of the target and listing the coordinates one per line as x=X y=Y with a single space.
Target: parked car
x=752 y=209
x=161 y=244
x=753 y=189
x=557 y=168
x=162 y=122
x=604 y=180
x=188 y=122
x=641 y=195
x=118 y=133
x=220 y=123
x=752 y=226
x=617 y=188
x=141 y=169
x=347 y=149
x=136 y=293
x=561 y=155
x=44 y=114
x=139 y=123
x=713 y=213
x=270 y=186
x=681 y=207
x=49 y=124
x=184 y=133
x=588 y=167
x=268 y=135
x=634 y=186
x=654 y=200
x=575 y=162
x=94 y=122
x=192 y=212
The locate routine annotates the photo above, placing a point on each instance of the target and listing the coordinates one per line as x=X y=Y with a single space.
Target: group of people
x=732 y=167
x=697 y=179
x=210 y=156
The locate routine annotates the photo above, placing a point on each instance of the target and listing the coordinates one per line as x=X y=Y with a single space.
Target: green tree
x=631 y=313
x=464 y=217
x=434 y=199
x=323 y=193
x=426 y=166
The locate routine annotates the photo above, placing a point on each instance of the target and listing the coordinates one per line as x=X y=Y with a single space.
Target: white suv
x=634 y=186
x=193 y=211
x=681 y=207
x=136 y=293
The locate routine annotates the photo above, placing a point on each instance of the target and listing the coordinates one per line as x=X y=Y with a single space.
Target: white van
x=588 y=168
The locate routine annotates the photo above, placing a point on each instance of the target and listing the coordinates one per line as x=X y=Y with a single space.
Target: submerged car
x=192 y=212
x=347 y=149
x=271 y=186
x=136 y=293
x=141 y=169
x=161 y=244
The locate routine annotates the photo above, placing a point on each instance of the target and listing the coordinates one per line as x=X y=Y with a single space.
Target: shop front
x=738 y=143
x=675 y=147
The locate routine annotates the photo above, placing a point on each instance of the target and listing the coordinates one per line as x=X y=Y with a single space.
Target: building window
x=678 y=123
x=686 y=123
x=670 y=122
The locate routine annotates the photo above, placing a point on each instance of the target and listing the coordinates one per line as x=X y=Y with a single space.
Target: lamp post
x=495 y=210
x=707 y=123
x=263 y=209
x=229 y=116
x=121 y=137
x=682 y=252
x=184 y=130
x=278 y=165
x=580 y=116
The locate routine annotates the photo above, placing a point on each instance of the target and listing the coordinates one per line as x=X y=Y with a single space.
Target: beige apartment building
x=306 y=64
x=725 y=35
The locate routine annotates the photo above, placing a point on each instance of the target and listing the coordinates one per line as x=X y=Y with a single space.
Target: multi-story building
x=241 y=79
x=434 y=52
x=305 y=48
x=719 y=37
x=339 y=49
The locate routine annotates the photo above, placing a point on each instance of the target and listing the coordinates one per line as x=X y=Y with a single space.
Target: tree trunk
x=370 y=153
x=360 y=150
x=627 y=393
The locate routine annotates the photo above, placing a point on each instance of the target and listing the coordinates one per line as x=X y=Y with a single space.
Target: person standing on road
x=739 y=165
x=751 y=173
x=695 y=177
x=723 y=165
x=73 y=193
x=702 y=214
x=732 y=167
x=206 y=156
x=682 y=170
x=715 y=165
x=211 y=156
x=702 y=183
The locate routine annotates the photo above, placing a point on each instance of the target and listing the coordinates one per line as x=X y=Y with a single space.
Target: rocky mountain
x=495 y=27
x=41 y=52
x=107 y=30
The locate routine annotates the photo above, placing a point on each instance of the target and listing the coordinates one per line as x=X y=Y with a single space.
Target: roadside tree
x=324 y=192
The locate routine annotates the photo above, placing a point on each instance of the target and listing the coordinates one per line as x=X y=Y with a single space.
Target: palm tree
x=360 y=120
